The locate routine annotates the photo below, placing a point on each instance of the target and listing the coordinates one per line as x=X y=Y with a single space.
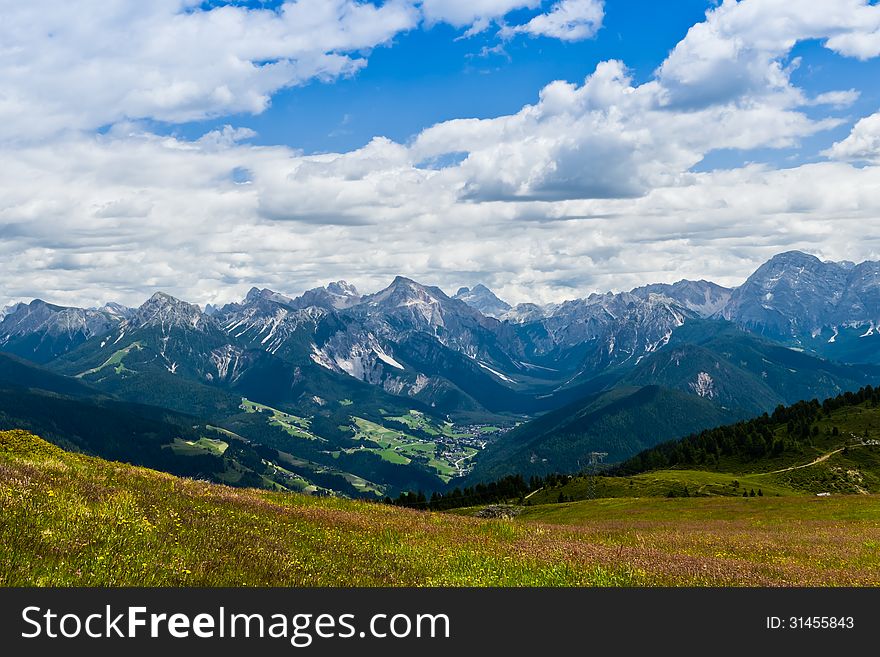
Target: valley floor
x=68 y=520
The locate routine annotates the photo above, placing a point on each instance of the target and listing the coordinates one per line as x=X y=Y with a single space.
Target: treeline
x=511 y=488
x=749 y=440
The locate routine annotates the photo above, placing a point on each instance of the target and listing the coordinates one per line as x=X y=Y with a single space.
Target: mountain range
x=690 y=354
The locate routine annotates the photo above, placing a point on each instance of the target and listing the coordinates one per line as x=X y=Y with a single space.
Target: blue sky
x=431 y=75
x=547 y=148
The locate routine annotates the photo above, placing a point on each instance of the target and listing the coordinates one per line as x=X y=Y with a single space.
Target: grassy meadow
x=68 y=519
x=663 y=483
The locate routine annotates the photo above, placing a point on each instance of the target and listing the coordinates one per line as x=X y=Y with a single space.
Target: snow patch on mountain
x=387 y=359
x=320 y=357
x=495 y=372
x=360 y=356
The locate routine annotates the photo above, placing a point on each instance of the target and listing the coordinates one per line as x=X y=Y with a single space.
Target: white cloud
x=567 y=20
x=68 y=66
x=79 y=66
x=836 y=99
x=94 y=216
x=737 y=50
x=589 y=188
x=862 y=144
x=605 y=138
x=463 y=13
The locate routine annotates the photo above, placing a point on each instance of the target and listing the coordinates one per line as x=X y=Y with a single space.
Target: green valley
x=441 y=446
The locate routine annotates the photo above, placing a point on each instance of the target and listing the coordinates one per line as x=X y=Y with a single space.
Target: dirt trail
x=824 y=457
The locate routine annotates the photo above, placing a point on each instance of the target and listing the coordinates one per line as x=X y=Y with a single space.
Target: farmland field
x=442 y=447
x=294 y=425
x=201 y=446
x=439 y=446
x=115 y=361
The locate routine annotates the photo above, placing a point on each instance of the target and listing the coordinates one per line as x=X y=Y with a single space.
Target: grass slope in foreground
x=68 y=519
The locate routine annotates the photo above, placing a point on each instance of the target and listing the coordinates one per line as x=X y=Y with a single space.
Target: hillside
x=17 y=372
x=745 y=373
x=68 y=519
x=343 y=447
x=620 y=422
x=708 y=374
x=790 y=436
x=806 y=448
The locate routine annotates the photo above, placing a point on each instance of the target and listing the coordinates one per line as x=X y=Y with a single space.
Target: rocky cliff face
x=41 y=331
x=795 y=295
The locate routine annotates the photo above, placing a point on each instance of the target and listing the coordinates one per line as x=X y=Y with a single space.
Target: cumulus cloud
x=103 y=215
x=463 y=13
x=567 y=20
x=82 y=65
x=79 y=66
x=604 y=138
x=736 y=52
x=591 y=187
x=862 y=144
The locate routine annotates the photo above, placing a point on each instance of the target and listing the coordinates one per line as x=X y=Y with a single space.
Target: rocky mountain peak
x=702 y=297
x=795 y=294
x=483 y=299
x=256 y=295
x=342 y=289
x=116 y=310
x=41 y=331
x=29 y=315
x=166 y=312
x=335 y=296
x=404 y=291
